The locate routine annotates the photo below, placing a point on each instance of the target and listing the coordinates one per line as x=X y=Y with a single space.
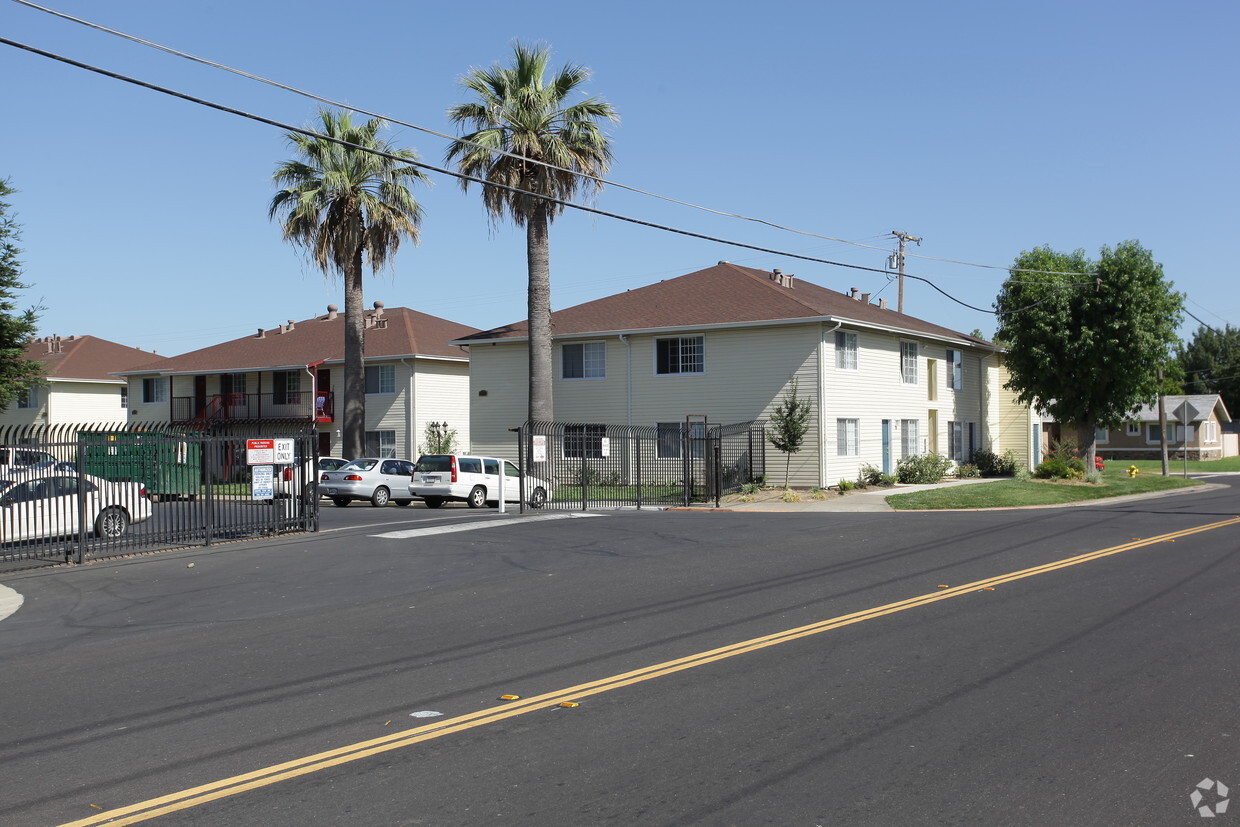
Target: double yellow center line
x=266 y=776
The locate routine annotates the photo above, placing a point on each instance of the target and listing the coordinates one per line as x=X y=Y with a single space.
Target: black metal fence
x=590 y=465
x=72 y=492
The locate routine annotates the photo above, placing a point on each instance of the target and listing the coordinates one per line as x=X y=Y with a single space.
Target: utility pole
x=904 y=237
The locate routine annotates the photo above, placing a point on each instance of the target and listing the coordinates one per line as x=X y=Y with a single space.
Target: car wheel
x=341 y=502
x=402 y=502
x=380 y=497
x=477 y=497
x=433 y=502
x=112 y=523
x=538 y=498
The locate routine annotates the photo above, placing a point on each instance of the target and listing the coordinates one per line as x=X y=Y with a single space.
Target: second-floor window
x=681 y=354
x=845 y=350
x=955 y=369
x=29 y=397
x=286 y=387
x=381 y=379
x=583 y=360
x=908 y=362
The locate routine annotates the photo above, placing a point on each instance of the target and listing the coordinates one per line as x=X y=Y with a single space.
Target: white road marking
x=452 y=529
x=9 y=601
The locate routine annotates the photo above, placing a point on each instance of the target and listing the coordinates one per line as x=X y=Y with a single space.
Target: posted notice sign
x=263 y=482
x=269 y=452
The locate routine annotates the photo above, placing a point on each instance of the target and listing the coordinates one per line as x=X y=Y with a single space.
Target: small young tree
x=438 y=438
x=789 y=425
x=16 y=327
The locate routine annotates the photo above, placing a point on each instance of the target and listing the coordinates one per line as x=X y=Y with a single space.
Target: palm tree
x=341 y=201
x=553 y=146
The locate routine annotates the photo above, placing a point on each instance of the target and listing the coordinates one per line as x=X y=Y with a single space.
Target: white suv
x=438 y=478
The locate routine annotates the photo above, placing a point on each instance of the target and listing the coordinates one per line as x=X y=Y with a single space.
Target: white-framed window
x=955 y=369
x=125 y=395
x=380 y=379
x=583 y=360
x=154 y=389
x=1102 y=435
x=1209 y=432
x=232 y=383
x=671 y=440
x=1152 y=433
x=584 y=441
x=28 y=397
x=845 y=350
x=847 y=443
x=680 y=354
x=908 y=362
x=910 y=437
x=380 y=443
x=961 y=443
x=1132 y=429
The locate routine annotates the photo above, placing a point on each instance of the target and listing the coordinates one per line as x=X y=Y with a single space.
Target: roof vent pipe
x=865 y=298
x=882 y=304
x=331 y=312
x=853 y=291
x=290 y=324
x=262 y=334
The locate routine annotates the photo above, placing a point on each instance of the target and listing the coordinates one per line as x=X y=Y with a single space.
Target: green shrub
x=922 y=469
x=1058 y=467
x=968 y=471
x=846 y=485
x=991 y=464
x=791 y=496
x=870 y=475
x=750 y=488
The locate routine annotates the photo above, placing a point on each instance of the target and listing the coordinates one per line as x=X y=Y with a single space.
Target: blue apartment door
x=886 y=446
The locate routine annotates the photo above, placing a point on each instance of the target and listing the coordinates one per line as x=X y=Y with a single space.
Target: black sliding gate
x=587 y=466
x=74 y=492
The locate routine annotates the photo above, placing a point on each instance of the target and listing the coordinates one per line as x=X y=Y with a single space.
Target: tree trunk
x=538 y=260
x=1087 y=439
x=354 y=421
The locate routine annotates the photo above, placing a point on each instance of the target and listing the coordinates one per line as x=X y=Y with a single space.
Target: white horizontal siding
x=441 y=394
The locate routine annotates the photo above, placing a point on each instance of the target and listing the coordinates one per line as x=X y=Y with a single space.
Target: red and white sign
x=260 y=452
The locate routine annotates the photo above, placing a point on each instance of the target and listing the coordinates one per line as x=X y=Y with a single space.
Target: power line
x=427 y=130
x=462 y=176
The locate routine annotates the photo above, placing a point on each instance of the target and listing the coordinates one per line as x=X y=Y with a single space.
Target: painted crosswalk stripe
x=481 y=524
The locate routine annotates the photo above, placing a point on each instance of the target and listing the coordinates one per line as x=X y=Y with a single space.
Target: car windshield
x=435 y=463
x=359 y=465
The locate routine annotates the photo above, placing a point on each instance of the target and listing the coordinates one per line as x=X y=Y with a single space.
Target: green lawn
x=1008 y=493
x=1176 y=466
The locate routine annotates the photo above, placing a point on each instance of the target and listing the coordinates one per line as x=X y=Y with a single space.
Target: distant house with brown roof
x=727 y=341
x=289 y=374
x=1195 y=426
x=79 y=384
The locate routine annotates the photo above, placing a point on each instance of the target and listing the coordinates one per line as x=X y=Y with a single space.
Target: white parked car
x=286 y=479
x=36 y=506
x=16 y=460
x=369 y=478
x=441 y=478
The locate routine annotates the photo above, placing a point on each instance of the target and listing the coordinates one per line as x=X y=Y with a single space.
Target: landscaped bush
x=1061 y=462
x=968 y=471
x=869 y=475
x=991 y=464
x=922 y=469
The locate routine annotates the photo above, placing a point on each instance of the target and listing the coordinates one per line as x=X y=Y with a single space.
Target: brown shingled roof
x=408 y=332
x=85 y=357
x=721 y=295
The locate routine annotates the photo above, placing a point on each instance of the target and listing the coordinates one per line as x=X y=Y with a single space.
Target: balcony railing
x=317 y=407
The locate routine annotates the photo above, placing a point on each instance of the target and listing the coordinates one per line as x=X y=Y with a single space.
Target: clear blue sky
x=985 y=127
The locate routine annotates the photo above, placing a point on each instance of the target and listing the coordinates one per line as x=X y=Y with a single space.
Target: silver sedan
x=369 y=478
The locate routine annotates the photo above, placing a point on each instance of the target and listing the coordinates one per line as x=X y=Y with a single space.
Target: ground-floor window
x=671 y=440
x=847 y=443
x=960 y=441
x=380 y=443
x=910 y=437
x=584 y=441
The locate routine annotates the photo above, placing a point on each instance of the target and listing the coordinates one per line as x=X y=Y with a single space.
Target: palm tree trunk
x=354 y=361
x=538 y=261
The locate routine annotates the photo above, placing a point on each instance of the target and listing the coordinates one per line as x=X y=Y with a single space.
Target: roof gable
x=723 y=295
x=85 y=357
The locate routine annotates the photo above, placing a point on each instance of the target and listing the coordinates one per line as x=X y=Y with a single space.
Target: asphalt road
x=1020 y=667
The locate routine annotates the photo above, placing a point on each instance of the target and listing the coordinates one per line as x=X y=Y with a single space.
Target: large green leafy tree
x=346 y=198
x=16 y=327
x=1211 y=364
x=1086 y=349
x=552 y=143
